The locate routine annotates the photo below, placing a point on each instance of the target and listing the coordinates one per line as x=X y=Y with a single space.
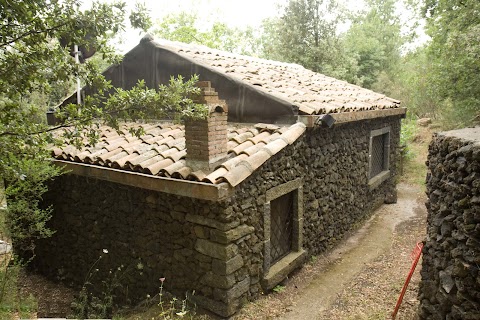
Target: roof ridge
x=193 y=46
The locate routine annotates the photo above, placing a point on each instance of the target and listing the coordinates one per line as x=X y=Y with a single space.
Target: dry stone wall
x=214 y=248
x=333 y=165
x=450 y=285
x=150 y=235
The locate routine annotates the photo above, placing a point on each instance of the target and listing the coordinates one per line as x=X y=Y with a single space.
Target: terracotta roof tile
x=241 y=147
x=171 y=169
x=212 y=177
x=161 y=151
x=116 y=157
x=198 y=175
x=229 y=164
x=292 y=135
x=243 y=137
x=275 y=146
x=155 y=168
x=232 y=144
x=290 y=82
x=182 y=173
x=257 y=159
x=237 y=174
x=260 y=137
x=253 y=149
x=140 y=158
x=142 y=166
x=104 y=157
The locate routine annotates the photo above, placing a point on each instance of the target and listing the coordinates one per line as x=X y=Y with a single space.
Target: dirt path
x=362 y=278
x=371 y=241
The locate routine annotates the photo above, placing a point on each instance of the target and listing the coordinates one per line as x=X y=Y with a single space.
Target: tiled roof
x=161 y=151
x=312 y=92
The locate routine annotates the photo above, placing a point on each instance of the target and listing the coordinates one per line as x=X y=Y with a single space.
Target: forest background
x=379 y=45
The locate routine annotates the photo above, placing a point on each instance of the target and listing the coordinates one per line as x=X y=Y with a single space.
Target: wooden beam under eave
x=344 y=117
x=185 y=188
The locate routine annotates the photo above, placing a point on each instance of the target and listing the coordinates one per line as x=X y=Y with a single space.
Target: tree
x=454 y=27
x=415 y=86
x=32 y=60
x=305 y=33
x=185 y=27
x=374 y=42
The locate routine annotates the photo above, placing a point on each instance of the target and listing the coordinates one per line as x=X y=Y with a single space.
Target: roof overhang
x=316 y=120
x=184 y=188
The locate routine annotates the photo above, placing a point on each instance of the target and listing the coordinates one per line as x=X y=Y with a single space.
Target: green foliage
x=186 y=27
x=415 y=86
x=174 y=101
x=12 y=301
x=98 y=296
x=25 y=219
x=407 y=134
x=305 y=33
x=455 y=52
x=279 y=288
x=35 y=67
x=374 y=42
x=172 y=309
x=163 y=306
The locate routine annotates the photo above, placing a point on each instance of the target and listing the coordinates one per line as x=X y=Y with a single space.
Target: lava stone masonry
x=450 y=285
x=212 y=248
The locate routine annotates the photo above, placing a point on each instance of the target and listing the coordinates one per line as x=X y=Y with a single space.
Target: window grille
x=378 y=155
x=281 y=229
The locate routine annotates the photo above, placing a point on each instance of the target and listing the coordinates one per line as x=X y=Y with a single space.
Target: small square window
x=283 y=226
x=379 y=156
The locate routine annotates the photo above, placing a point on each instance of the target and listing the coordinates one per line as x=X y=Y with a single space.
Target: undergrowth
x=415 y=141
x=13 y=304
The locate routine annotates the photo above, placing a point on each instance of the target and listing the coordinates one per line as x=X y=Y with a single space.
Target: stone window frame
x=375 y=181
x=275 y=273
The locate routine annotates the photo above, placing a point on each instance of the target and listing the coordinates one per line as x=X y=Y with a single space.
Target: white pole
x=77 y=61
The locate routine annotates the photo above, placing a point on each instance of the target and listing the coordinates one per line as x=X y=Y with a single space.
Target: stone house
x=286 y=164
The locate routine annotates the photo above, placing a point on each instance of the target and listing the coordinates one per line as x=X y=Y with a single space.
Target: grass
x=13 y=304
x=162 y=306
x=416 y=139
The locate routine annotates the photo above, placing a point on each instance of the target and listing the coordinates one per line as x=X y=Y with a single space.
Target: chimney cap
x=221 y=108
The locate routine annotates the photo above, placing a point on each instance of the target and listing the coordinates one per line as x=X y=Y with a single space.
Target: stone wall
x=333 y=165
x=149 y=234
x=215 y=248
x=450 y=285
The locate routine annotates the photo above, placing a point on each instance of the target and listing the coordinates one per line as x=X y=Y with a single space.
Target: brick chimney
x=206 y=139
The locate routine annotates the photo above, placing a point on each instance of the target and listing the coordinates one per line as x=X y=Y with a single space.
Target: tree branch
x=31 y=32
x=68 y=124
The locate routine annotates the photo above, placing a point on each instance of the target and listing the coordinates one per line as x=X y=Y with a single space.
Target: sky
x=235 y=13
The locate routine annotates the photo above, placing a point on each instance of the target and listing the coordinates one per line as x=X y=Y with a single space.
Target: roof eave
x=315 y=120
x=185 y=188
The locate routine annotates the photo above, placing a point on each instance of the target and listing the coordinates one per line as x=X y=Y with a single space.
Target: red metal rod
x=417 y=252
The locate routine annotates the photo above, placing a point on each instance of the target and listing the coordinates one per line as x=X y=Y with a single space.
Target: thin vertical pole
x=77 y=61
